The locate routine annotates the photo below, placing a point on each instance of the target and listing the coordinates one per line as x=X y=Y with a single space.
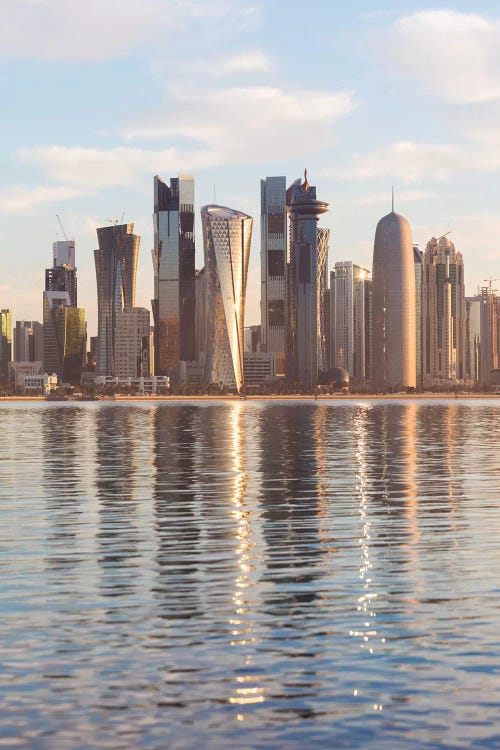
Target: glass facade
x=394 y=305
x=65 y=337
x=5 y=344
x=174 y=272
x=227 y=236
x=274 y=228
x=116 y=272
x=306 y=287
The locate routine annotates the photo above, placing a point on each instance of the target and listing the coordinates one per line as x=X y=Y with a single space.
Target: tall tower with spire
x=394 y=307
x=307 y=273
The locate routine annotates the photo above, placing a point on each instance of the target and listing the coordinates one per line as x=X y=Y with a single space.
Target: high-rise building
x=227 y=235
x=5 y=344
x=274 y=256
x=62 y=276
x=200 y=323
x=64 y=336
x=443 y=313
x=473 y=339
x=132 y=343
x=28 y=341
x=394 y=305
x=307 y=271
x=350 y=319
x=116 y=271
x=489 y=349
x=174 y=273
x=419 y=280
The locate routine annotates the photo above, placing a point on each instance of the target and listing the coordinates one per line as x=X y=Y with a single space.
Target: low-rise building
x=260 y=368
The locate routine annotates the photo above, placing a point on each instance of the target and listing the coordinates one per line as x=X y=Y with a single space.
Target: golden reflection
x=366 y=632
x=409 y=451
x=247 y=690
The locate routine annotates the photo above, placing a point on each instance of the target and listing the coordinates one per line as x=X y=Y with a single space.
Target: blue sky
x=99 y=96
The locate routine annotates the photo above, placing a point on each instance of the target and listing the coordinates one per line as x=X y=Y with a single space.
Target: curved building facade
x=227 y=236
x=116 y=271
x=394 y=305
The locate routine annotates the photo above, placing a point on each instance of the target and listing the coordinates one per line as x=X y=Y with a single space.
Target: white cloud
x=456 y=56
x=93 y=168
x=251 y=124
x=251 y=61
x=104 y=29
x=22 y=200
x=409 y=162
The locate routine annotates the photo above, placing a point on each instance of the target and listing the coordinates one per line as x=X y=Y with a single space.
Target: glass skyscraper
x=227 y=235
x=64 y=337
x=5 y=344
x=307 y=273
x=394 y=305
x=116 y=272
x=174 y=273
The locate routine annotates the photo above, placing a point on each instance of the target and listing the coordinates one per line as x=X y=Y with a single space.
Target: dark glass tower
x=305 y=342
x=116 y=272
x=174 y=273
x=62 y=276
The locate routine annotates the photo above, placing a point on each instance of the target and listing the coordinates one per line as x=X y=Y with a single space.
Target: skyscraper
x=350 y=319
x=419 y=281
x=62 y=276
x=28 y=341
x=116 y=271
x=394 y=306
x=443 y=313
x=64 y=337
x=5 y=344
x=274 y=256
x=174 y=273
x=132 y=339
x=227 y=234
x=305 y=344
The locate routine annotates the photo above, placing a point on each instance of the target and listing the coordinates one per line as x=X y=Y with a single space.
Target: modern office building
x=174 y=273
x=489 y=348
x=394 y=305
x=5 y=344
x=418 y=260
x=200 y=323
x=227 y=236
x=350 y=320
x=473 y=339
x=64 y=336
x=62 y=276
x=132 y=346
x=305 y=343
x=274 y=256
x=443 y=314
x=28 y=341
x=116 y=271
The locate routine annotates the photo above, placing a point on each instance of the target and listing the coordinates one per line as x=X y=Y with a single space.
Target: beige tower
x=394 y=310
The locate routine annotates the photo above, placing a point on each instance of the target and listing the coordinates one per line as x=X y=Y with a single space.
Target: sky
x=99 y=96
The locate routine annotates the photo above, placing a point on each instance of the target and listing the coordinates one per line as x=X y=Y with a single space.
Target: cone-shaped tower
x=394 y=310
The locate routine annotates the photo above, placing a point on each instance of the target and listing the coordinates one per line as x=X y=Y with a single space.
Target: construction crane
x=62 y=228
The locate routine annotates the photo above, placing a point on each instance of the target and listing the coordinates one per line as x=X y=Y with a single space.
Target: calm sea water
x=250 y=575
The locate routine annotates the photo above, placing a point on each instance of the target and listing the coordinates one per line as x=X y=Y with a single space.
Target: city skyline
x=242 y=105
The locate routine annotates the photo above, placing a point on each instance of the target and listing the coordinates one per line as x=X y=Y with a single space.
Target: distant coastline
x=285 y=397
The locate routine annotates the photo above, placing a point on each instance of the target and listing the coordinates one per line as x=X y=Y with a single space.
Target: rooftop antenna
x=215 y=197
x=393 y=199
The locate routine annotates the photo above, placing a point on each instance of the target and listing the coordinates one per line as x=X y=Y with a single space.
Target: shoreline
x=285 y=397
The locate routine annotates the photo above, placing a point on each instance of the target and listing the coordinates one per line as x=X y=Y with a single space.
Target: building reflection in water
x=176 y=510
x=61 y=430
x=117 y=470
